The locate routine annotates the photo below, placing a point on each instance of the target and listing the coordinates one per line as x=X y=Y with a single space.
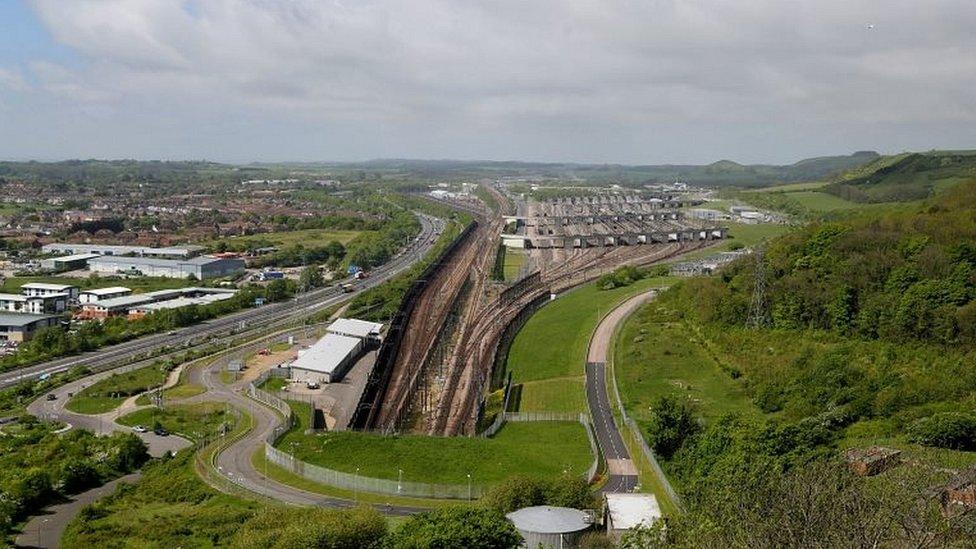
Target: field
x=514 y=259
x=137 y=285
x=653 y=359
x=304 y=237
x=542 y=449
x=192 y=421
x=789 y=188
x=570 y=321
x=107 y=394
x=553 y=395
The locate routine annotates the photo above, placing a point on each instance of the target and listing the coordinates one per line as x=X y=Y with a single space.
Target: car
x=140 y=429
x=172 y=333
x=52 y=396
x=312 y=385
x=161 y=432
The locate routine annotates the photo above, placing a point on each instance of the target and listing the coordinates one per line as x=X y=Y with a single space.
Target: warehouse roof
x=138 y=299
x=628 y=511
x=545 y=519
x=355 y=328
x=46 y=286
x=201 y=260
x=21 y=319
x=74 y=257
x=326 y=354
x=107 y=291
x=116 y=249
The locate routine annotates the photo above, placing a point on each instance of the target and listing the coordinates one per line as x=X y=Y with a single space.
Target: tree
x=131 y=453
x=452 y=527
x=672 y=421
x=310 y=278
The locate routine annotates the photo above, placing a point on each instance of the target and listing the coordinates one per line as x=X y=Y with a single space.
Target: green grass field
x=653 y=359
x=554 y=395
x=305 y=237
x=791 y=187
x=553 y=343
x=107 y=394
x=274 y=384
x=543 y=449
x=822 y=202
x=179 y=392
x=192 y=421
x=739 y=234
x=514 y=259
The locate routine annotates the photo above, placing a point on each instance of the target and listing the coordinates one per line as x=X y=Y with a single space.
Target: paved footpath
x=45 y=530
x=623 y=473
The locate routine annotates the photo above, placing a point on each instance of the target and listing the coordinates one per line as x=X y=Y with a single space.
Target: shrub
x=456 y=527
x=952 y=430
x=672 y=421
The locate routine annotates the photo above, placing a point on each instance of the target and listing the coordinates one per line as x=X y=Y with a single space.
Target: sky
x=602 y=81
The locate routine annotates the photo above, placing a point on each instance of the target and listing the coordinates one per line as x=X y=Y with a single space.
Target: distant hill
x=904 y=177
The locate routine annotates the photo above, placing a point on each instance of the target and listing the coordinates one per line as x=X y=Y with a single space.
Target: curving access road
x=622 y=472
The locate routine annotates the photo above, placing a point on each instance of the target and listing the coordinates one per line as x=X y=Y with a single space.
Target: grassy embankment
x=107 y=394
x=534 y=449
x=549 y=353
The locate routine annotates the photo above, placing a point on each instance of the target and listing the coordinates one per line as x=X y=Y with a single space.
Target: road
x=102 y=424
x=234 y=462
x=199 y=334
x=45 y=530
x=621 y=469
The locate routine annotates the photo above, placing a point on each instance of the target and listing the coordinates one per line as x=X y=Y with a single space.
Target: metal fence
x=358 y=483
x=645 y=449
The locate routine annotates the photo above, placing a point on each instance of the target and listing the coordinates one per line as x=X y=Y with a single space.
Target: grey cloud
x=610 y=80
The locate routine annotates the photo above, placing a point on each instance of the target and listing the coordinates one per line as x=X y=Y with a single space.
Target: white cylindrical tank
x=550 y=527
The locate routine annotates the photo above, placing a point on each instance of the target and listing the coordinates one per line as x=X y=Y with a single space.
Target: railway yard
x=443 y=369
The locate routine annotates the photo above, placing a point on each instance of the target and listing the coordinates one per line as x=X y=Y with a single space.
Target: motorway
x=621 y=469
x=259 y=317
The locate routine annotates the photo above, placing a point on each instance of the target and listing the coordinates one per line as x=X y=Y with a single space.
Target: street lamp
x=469 y=486
x=399 y=480
x=356 y=484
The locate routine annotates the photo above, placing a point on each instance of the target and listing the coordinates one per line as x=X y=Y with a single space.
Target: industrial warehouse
x=172 y=262
x=139 y=305
x=328 y=360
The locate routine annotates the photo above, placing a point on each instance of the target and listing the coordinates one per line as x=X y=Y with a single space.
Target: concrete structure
x=172 y=252
x=97 y=294
x=200 y=267
x=352 y=327
x=44 y=288
x=36 y=304
x=67 y=262
x=625 y=511
x=328 y=360
x=868 y=462
x=19 y=327
x=550 y=527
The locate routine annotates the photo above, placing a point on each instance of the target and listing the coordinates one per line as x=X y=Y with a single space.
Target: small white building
x=34 y=304
x=626 y=511
x=44 y=288
x=96 y=294
x=352 y=327
x=328 y=360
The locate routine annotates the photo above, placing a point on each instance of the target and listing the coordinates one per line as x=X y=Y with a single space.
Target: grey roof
x=47 y=286
x=545 y=519
x=104 y=291
x=355 y=327
x=199 y=260
x=73 y=257
x=326 y=354
x=116 y=249
x=21 y=319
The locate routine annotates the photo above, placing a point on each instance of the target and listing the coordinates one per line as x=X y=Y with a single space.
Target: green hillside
x=867 y=337
x=905 y=177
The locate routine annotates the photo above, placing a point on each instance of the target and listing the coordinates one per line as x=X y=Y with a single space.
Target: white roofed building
x=96 y=294
x=328 y=360
x=626 y=511
x=44 y=288
x=352 y=327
